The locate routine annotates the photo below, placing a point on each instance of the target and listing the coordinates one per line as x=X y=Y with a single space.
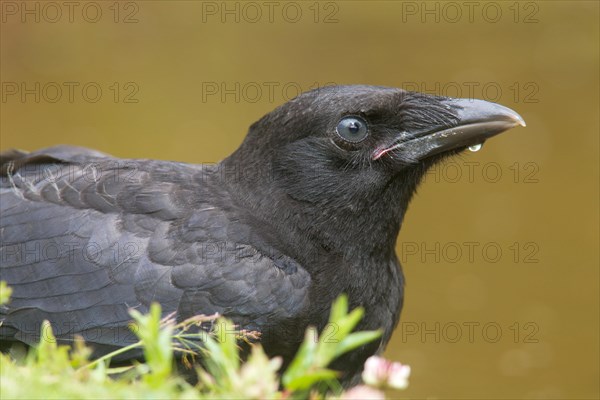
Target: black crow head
x=350 y=157
x=370 y=126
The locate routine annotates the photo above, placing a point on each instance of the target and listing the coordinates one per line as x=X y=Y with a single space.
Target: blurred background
x=499 y=247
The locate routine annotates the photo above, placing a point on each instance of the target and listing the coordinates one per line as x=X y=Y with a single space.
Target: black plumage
x=307 y=208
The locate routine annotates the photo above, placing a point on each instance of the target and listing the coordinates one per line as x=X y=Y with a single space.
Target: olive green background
x=499 y=247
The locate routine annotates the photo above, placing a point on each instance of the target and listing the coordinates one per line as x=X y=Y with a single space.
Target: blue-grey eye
x=352 y=129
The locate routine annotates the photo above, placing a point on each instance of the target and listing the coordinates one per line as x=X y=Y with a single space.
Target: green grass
x=53 y=371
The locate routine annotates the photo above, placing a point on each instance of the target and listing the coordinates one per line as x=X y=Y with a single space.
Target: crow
x=307 y=208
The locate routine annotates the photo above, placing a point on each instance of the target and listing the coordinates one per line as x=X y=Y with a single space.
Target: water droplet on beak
x=476 y=147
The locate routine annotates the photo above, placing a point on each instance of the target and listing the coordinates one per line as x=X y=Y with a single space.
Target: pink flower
x=380 y=372
x=362 y=392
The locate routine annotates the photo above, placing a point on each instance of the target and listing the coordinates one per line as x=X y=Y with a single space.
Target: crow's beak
x=477 y=121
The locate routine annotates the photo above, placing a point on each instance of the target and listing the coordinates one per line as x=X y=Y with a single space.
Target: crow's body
x=302 y=212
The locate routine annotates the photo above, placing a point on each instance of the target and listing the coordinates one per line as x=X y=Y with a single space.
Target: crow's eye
x=352 y=129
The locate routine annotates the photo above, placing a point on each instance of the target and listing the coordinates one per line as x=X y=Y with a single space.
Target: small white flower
x=380 y=372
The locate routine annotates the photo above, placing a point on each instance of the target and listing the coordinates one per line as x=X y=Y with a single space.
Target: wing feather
x=84 y=237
